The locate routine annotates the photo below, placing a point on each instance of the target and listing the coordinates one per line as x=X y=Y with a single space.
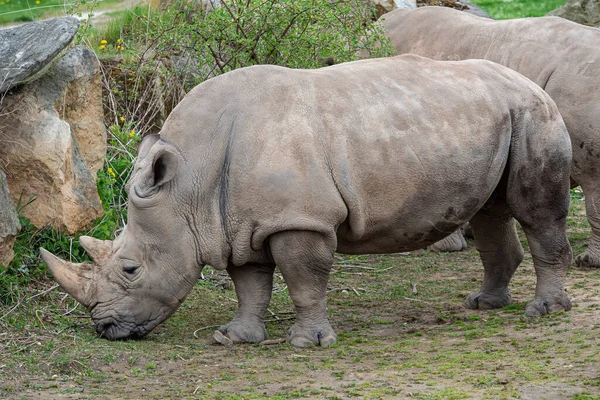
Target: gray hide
x=268 y=166
x=562 y=57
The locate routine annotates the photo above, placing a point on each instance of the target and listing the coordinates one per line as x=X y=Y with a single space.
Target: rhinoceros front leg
x=452 y=243
x=304 y=259
x=501 y=252
x=253 y=287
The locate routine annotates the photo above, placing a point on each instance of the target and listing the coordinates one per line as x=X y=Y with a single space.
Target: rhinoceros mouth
x=112 y=330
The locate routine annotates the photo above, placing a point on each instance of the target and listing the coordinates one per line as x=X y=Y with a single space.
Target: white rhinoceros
x=268 y=165
x=562 y=57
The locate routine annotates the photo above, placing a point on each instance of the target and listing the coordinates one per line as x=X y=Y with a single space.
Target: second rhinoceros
x=561 y=56
x=268 y=166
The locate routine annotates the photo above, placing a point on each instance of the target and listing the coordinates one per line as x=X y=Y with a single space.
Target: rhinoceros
x=562 y=57
x=267 y=166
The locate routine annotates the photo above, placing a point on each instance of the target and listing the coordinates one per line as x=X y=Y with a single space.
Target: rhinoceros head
x=140 y=279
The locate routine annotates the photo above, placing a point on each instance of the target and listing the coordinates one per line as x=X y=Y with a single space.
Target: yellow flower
x=119 y=47
x=122 y=119
x=118 y=40
x=100 y=201
x=101 y=47
x=103 y=41
x=132 y=133
x=125 y=376
x=111 y=172
x=37 y=1
x=209 y=384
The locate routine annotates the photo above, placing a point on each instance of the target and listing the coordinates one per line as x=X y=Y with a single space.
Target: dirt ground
x=402 y=333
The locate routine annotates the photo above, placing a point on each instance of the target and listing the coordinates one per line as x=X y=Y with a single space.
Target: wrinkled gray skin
x=268 y=166
x=562 y=57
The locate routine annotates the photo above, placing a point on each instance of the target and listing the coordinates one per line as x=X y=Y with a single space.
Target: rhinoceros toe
x=550 y=303
x=320 y=335
x=587 y=260
x=240 y=332
x=487 y=301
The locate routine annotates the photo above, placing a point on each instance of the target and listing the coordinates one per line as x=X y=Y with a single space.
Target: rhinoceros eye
x=130 y=268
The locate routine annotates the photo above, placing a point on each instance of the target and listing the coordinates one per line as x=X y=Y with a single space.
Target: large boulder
x=27 y=48
x=9 y=223
x=462 y=5
x=385 y=6
x=586 y=12
x=44 y=158
x=77 y=78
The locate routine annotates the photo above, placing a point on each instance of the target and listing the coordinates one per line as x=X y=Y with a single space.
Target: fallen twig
x=417 y=300
x=203 y=328
x=272 y=341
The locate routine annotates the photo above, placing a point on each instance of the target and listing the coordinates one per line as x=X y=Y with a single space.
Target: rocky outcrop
x=473 y=9
x=77 y=81
x=385 y=6
x=9 y=223
x=462 y=5
x=586 y=12
x=45 y=154
x=26 y=49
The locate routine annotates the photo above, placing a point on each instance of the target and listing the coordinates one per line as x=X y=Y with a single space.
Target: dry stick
x=42 y=293
x=417 y=300
x=272 y=341
x=354 y=266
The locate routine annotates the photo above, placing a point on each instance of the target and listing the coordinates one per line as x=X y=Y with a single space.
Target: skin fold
x=268 y=166
x=561 y=56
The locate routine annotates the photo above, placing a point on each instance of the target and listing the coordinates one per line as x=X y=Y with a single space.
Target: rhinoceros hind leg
x=501 y=253
x=304 y=259
x=590 y=258
x=253 y=287
x=452 y=243
x=538 y=196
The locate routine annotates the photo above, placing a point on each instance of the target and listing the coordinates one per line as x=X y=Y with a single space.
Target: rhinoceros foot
x=320 y=335
x=487 y=301
x=588 y=259
x=452 y=243
x=551 y=303
x=240 y=331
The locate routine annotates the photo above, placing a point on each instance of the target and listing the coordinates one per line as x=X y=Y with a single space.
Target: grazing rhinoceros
x=562 y=57
x=268 y=165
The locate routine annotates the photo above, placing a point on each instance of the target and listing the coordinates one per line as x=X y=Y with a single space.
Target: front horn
x=74 y=278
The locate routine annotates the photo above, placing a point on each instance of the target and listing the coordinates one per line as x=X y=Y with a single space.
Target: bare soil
x=402 y=333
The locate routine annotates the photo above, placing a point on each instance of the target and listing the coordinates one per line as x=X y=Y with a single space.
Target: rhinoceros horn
x=76 y=278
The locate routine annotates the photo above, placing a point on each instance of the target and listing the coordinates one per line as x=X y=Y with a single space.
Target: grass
x=392 y=343
x=507 y=9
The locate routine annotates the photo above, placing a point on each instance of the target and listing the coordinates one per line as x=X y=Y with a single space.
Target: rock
x=9 y=223
x=473 y=9
x=385 y=6
x=43 y=156
x=586 y=12
x=27 y=48
x=77 y=78
x=462 y=5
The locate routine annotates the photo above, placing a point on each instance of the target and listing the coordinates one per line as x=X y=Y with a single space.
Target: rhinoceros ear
x=146 y=144
x=156 y=169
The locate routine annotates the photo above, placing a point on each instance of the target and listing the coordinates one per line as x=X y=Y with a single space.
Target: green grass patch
x=507 y=9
